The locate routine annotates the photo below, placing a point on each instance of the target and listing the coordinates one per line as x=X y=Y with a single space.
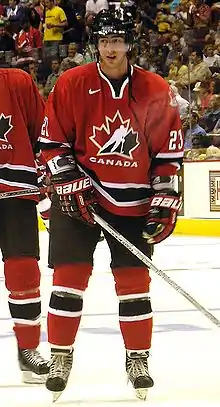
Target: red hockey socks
x=135 y=313
x=22 y=279
x=66 y=303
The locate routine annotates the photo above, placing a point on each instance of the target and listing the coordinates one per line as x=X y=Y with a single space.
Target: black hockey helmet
x=113 y=21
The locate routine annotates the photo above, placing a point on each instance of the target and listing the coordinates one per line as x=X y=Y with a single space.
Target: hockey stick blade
x=141 y=256
x=22 y=192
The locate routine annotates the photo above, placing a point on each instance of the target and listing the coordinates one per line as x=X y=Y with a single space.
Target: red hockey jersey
x=21 y=116
x=121 y=141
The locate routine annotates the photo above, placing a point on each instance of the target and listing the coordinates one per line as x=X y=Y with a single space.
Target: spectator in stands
x=182 y=12
x=24 y=61
x=6 y=41
x=162 y=22
x=14 y=14
x=195 y=132
x=33 y=71
x=203 y=94
x=73 y=55
x=215 y=9
x=38 y=6
x=200 y=13
x=33 y=16
x=182 y=103
x=146 y=15
x=211 y=59
x=93 y=7
x=28 y=38
x=175 y=50
x=66 y=64
x=177 y=69
x=142 y=59
x=12 y=9
x=210 y=119
x=52 y=78
x=200 y=16
x=55 y=21
x=73 y=32
x=199 y=71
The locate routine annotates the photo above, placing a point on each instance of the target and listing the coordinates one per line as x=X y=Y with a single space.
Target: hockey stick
x=22 y=192
x=141 y=256
x=133 y=249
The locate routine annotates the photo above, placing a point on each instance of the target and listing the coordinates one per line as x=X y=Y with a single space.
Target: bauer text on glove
x=162 y=216
x=75 y=193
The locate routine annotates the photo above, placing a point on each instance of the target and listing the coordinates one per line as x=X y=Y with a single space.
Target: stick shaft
x=141 y=256
x=22 y=192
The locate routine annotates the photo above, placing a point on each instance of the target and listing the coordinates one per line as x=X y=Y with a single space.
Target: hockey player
x=21 y=113
x=111 y=135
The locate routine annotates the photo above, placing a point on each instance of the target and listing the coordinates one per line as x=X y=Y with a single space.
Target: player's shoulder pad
x=74 y=75
x=155 y=84
x=17 y=77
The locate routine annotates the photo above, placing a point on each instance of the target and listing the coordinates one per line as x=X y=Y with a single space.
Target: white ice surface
x=185 y=362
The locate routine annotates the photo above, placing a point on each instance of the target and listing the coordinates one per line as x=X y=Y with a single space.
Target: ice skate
x=33 y=367
x=138 y=374
x=60 y=368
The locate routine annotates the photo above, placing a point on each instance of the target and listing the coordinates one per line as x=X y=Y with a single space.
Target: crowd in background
x=177 y=39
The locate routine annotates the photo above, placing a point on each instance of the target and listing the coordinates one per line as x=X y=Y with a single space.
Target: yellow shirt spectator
x=163 y=27
x=53 y=18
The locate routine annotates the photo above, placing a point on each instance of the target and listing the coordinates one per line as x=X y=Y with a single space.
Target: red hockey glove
x=76 y=194
x=162 y=216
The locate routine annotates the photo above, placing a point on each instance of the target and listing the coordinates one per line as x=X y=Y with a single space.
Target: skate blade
x=28 y=377
x=56 y=395
x=141 y=394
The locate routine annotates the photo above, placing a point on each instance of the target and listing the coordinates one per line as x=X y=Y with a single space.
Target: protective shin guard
x=135 y=313
x=66 y=302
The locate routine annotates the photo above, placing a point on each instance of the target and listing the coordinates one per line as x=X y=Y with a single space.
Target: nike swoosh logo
x=92 y=92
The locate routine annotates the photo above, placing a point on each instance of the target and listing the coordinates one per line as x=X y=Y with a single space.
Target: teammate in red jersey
x=21 y=114
x=111 y=135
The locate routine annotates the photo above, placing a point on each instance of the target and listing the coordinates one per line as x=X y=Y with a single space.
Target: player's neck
x=115 y=73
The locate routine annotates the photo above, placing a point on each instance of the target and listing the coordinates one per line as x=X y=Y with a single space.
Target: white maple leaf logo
x=115 y=136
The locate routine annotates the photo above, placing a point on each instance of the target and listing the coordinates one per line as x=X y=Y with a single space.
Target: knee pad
x=130 y=281
x=22 y=274
x=74 y=277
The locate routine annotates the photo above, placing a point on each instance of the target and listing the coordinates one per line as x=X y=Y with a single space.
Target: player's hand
x=76 y=194
x=162 y=216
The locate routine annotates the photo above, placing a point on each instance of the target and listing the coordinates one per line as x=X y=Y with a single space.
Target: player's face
x=112 y=50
